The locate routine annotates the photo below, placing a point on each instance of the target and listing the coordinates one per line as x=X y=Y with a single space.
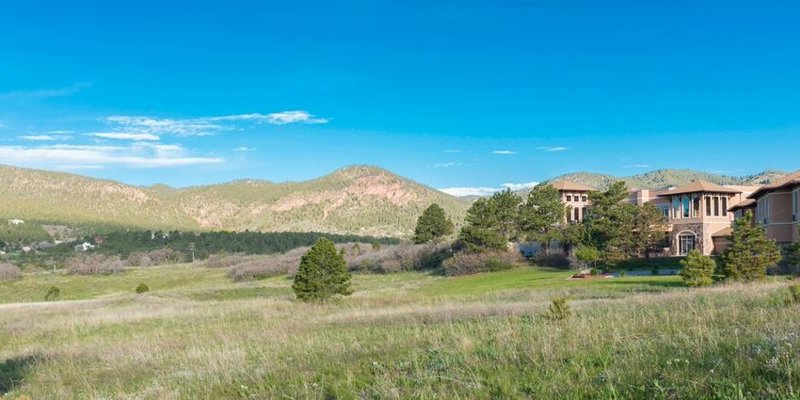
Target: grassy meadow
x=199 y=335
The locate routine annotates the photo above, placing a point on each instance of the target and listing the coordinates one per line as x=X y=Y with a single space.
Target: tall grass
x=397 y=337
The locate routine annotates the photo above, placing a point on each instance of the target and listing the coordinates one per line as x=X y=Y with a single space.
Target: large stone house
x=776 y=207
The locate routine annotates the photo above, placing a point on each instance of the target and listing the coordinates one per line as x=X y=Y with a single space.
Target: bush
x=93 y=264
x=142 y=288
x=9 y=272
x=52 y=294
x=698 y=270
x=466 y=263
x=260 y=267
x=559 y=309
x=587 y=255
x=400 y=258
x=793 y=295
x=224 y=260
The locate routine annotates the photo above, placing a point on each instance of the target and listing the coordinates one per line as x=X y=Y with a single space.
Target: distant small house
x=16 y=221
x=85 y=246
x=27 y=249
x=2 y=253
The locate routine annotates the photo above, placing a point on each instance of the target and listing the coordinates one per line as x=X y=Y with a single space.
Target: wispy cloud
x=44 y=138
x=243 y=149
x=45 y=93
x=447 y=164
x=504 y=152
x=552 y=148
x=125 y=136
x=205 y=126
x=138 y=155
x=452 y=151
x=637 y=166
x=484 y=190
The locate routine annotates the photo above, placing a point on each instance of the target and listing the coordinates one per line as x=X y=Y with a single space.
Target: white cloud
x=637 y=166
x=504 y=152
x=447 y=164
x=44 y=93
x=205 y=126
x=139 y=155
x=553 y=148
x=125 y=136
x=453 y=151
x=243 y=149
x=44 y=138
x=519 y=186
x=59 y=132
x=470 y=191
x=484 y=190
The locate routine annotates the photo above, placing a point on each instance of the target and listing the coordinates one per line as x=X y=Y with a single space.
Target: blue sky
x=450 y=93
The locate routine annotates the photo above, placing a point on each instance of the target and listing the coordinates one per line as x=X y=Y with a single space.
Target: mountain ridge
x=356 y=199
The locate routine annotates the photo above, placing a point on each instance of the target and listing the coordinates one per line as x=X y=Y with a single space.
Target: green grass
x=407 y=335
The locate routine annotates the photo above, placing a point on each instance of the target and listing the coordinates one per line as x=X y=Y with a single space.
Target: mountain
x=665 y=178
x=360 y=199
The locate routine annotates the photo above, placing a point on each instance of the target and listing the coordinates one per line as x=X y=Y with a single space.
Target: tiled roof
x=700 y=187
x=568 y=186
x=786 y=181
x=723 y=233
x=747 y=203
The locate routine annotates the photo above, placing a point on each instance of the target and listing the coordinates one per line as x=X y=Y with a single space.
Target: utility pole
x=191 y=247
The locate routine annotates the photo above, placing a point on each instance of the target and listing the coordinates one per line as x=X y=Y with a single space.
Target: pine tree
x=541 y=214
x=698 y=269
x=432 y=225
x=322 y=274
x=750 y=253
x=491 y=223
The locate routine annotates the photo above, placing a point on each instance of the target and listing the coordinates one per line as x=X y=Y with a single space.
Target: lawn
x=407 y=335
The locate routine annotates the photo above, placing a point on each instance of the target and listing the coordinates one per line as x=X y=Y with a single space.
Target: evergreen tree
x=698 y=269
x=648 y=230
x=750 y=253
x=540 y=216
x=491 y=223
x=609 y=222
x=322 y=274
x=432 y=225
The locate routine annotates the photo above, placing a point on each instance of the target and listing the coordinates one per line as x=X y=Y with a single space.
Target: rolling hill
x=665 y=178
x=359 y=200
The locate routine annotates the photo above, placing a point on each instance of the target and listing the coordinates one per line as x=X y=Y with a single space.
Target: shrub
x=93 y=264
x=401 y=258
x=793 y=295
x=52 y=294
x=224 y=260
x=322 y=273
x=142 y=288
x=260 y=267
x=9 y=272
x=698 y=270
x=587 y=255
x=466 y=263
x=559 y=309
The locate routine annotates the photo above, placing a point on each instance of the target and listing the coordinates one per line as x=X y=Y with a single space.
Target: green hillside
x=359 y=200
x=665 y=178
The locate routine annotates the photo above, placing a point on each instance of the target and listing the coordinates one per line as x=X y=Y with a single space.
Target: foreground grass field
x=409 y=335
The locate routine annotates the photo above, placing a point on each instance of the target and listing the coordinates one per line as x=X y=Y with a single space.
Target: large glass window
x=569 y=198
x=577 y=214
x=708 y=206
x=686 y=243
x=724 y=206
x=686 y=206
x=716 y=206
x=676 y=207
x=696 y=206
